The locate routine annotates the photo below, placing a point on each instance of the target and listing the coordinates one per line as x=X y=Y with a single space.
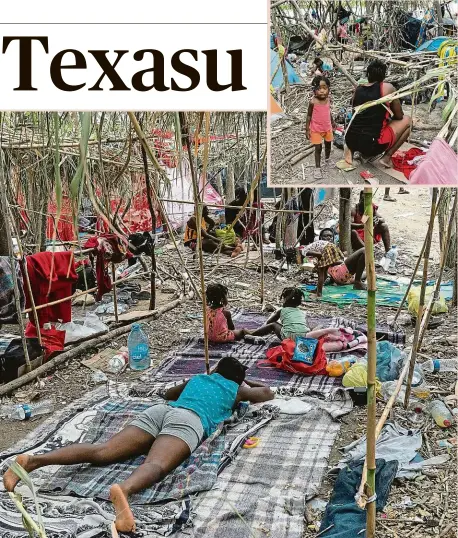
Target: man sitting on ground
x=381 y=230
x=372 y=132
x=210 y=243
x=166 y=433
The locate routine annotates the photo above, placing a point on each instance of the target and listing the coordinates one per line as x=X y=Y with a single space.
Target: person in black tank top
x=374 y=131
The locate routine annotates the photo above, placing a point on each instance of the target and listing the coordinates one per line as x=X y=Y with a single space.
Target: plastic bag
x=439 y=306
x=227 y=235
x=92 y=322
x=357 y=377
x=74 y=331
x=389 y=361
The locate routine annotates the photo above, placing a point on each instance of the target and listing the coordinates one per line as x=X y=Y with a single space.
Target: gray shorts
x=163 y=419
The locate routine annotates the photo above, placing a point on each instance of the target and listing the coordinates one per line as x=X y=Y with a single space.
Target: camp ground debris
x=223 y=488
x=417 y=40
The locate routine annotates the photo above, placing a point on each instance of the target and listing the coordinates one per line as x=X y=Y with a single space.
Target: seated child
x=219 y=320
x=292 y=319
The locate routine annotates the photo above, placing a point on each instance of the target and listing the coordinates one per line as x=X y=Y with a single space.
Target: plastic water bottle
x=436 y=365
x=303 y=69
x=391 y=256
x=138 y=347
x=440 y=414
x=26 y=411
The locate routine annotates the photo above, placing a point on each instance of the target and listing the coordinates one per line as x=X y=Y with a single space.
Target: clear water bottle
x=440 y=414
x=416 y=415
x=436 y=365
x=26 y=411
x=138 y=347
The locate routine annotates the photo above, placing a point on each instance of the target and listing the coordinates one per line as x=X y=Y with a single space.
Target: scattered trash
x=101 y=360
x=251 y=442
x=86 y=299
x=26 y=411
x=406 y=503
x=417 y=415
x=402 y=319
x=440 y=414
x=118 y=363
x=75 y=330
x=99 y=377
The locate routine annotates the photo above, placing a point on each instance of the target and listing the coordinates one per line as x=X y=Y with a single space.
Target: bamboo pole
x=361 y=497
x=25 y=272
x=261 y=249
x=115 y=293
x=198 y=205
x=17 y=299
x=85 y=292
x=154 y=161
x=416 y=266
x=325 y=48
x=371 y=359
x=421 y=304
x=435 y=295
x=70 y=354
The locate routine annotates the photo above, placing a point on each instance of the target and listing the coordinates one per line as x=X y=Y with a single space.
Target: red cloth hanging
x=62 y=279
x=109 y=248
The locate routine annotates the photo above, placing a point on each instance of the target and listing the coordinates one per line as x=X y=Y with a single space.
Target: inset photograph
x=363 y=93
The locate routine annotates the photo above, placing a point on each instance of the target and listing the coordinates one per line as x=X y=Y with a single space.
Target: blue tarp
x=276 y=70
x=432 y=45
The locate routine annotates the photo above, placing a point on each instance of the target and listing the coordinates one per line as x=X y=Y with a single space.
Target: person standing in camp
x=320 y=123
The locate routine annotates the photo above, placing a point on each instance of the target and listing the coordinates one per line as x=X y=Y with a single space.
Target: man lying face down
x=167 y=433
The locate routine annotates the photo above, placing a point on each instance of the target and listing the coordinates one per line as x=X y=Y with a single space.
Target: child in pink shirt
x=219 y=322
x=320 y=124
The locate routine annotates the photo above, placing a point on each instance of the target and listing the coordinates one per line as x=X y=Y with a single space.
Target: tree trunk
x=345 y=220
x=442 y=216
x=219 y=184
x=451 y=260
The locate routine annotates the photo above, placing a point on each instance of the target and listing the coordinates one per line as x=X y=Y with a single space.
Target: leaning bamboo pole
x=17 y=299
x=156 y=164
x=413 y=356
x=435 y=294
x=412 y=279
x=371 y=361
x=81 y=348
x=186 y=140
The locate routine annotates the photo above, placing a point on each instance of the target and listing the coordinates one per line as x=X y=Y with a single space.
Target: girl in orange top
x=320 y=123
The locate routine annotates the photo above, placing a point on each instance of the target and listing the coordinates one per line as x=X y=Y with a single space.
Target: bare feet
x=359 y=286
x=386 y=161
x=124 y=518
x=10 y=478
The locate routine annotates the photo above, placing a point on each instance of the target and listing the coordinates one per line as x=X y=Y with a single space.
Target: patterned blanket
x=263 y=492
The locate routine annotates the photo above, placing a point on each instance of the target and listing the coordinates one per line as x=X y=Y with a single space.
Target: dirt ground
x=288 y=139
x=433 y=498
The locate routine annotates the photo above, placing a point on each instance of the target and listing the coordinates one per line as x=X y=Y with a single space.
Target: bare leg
x=166 y=454
x=128 y=443
x=356 y=241
x=387 y=196
x=383 y=230
x=327 y=149
x=401 y=130
x=268 y=329
x=317 y=155
x=240 y=333
x=348 y=154
x=355 y=265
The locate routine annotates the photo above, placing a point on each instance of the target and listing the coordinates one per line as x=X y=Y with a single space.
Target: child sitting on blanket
x=292 y=319
x=219 y=322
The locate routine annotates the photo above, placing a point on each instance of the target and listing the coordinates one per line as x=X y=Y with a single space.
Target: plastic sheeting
x=439 y=167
